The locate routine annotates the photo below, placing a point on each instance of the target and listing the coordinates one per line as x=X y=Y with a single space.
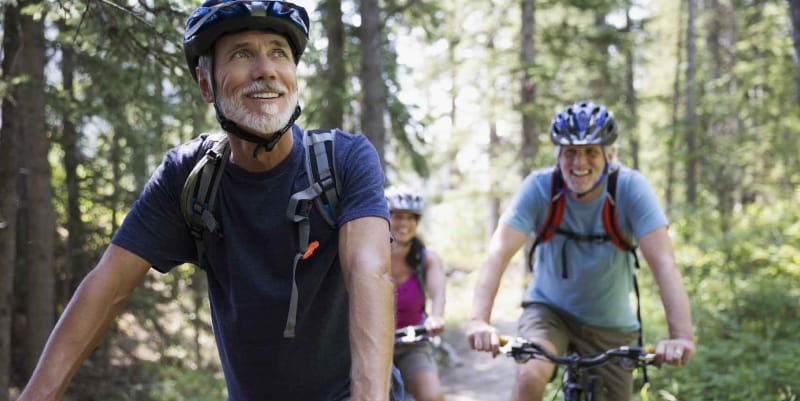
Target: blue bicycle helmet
x=215 y=18
x=584 y=123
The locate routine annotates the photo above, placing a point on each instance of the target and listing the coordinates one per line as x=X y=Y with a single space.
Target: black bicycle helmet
x=404 y=200
x=215 y=18
x=584 y=123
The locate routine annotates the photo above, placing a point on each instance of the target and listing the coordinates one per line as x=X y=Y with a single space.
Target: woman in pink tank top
x=418 y=276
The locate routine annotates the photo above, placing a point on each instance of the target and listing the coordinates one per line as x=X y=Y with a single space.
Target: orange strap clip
x=310 y=250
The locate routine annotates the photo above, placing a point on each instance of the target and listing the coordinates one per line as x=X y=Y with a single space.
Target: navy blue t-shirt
x=249 y=267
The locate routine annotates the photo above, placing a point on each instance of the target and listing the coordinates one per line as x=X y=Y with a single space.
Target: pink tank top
x=410 y=303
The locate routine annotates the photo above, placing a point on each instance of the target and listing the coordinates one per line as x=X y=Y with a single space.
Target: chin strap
x=266 y=144
x=596 y=184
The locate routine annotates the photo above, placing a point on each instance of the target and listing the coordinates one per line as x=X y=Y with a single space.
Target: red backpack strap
x=555 y=211
x=610 y=221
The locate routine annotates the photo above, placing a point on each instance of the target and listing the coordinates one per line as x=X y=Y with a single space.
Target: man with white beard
x=314 y=325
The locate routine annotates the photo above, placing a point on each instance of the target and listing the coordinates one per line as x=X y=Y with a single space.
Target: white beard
x=265 y=124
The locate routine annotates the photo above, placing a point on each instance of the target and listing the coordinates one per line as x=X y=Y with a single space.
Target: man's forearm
x=371 y=336
x=486 y=289
x=78 y=331
x=676 y=304
x=87 y=316
x=364 y=254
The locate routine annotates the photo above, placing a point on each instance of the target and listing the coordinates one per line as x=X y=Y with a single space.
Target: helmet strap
x=261 y=142
x=230 y=126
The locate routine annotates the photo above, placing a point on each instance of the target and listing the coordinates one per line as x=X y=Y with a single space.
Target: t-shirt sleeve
x=361 y=178
x=642 y=209
x=525 y=209
x=154 y=229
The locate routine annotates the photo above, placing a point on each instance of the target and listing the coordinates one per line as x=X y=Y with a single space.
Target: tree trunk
x=374 y=102
x=9 y=132
x=333 y=115
x=675 y=107
x=630 y=92
x=691 y=104
x=527 y=58
x=40 y=214
x=77 y=263
x=794 y=15
x=494 y=198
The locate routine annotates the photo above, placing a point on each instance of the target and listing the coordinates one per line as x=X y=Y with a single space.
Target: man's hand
x=674 y=352
x=482 y=336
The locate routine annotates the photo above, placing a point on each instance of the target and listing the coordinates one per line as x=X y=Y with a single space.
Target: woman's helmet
x=584 y=123
x=403 y=200
x=215 y=18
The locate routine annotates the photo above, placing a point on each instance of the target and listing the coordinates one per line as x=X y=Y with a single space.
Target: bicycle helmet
x=402 y=200
x=215 y=18
x=584 y=123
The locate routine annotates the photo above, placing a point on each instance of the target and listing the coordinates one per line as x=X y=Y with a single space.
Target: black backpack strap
x=611 y=224
x=200 y=190
x=555 y=212
x=420 y=269
x=323 y=190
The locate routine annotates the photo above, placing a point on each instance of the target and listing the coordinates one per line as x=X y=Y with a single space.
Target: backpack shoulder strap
x=611 y=224
x=420 y=270
x=610 y=218
x=324 y=187
x=323 y=190
x=555 y=212
x=200 y=188
x=321 y=168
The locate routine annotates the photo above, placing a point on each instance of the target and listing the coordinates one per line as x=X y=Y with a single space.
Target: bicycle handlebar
x=411 y=334
x=523 y=350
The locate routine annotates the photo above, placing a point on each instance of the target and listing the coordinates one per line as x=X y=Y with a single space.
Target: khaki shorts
x=413 y=359
x=541 y=321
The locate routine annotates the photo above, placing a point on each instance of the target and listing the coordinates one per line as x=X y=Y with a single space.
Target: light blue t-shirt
x=599 y=275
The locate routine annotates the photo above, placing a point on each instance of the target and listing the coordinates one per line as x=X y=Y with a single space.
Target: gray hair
x=610 y=149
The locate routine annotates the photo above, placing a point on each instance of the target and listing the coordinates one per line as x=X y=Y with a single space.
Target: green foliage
x=746 y=305
x=187 y=385
x=738 y=248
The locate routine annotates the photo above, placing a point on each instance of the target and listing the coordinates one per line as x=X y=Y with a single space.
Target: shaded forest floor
x=479 y=377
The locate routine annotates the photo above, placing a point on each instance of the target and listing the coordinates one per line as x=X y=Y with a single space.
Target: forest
x=457 y=97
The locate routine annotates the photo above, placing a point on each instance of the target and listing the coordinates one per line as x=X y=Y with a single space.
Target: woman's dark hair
x=414 y=256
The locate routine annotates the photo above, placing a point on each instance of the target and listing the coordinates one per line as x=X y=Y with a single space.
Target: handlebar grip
x=504 y=340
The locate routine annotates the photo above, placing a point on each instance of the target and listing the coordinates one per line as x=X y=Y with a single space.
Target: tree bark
x=333 y=115
x=675 y=112
x=9 y=132
x=77 y=263
x=374 y=102
x=794 y=15
x=527 y=58
x=691 y=104
x=630 y=92
x=40 y=214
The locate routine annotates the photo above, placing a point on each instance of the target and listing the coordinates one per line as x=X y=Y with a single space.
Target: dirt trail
x=479 y=377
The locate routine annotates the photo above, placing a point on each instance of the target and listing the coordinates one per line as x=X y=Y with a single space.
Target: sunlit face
x=404 y=226
x=582 y=165
x=256 y=80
